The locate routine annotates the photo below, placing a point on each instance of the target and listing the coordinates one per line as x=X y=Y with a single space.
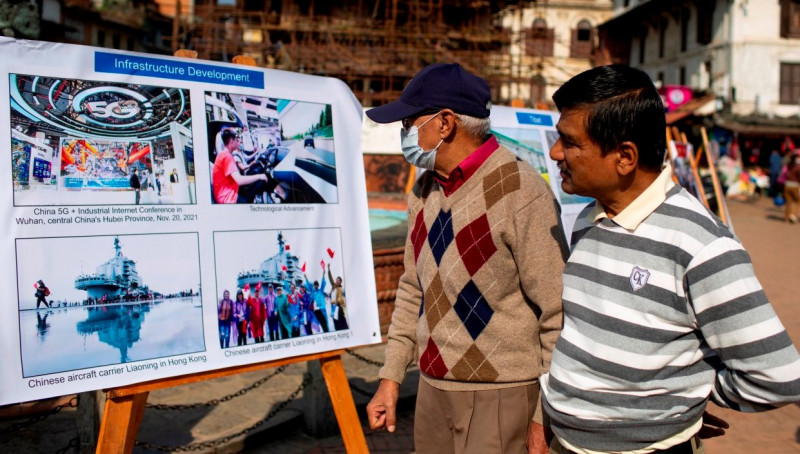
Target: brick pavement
x=774 y=247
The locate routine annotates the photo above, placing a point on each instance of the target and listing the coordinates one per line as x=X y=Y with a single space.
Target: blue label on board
x=529 y=118
x=175 y=69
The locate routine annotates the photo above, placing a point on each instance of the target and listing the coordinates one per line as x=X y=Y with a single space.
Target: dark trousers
x=242 y=328
x=323 y=322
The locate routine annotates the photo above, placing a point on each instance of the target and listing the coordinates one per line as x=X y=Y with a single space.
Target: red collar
x=467 y=167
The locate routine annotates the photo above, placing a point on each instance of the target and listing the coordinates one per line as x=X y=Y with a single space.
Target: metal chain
x=33 y=420
x=215 y=402
x=223 y=440
x=363 y=358
x=361 y=391
x=72 y=446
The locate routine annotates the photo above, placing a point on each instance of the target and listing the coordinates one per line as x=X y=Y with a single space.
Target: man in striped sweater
x=662 y=310
x=479 y=302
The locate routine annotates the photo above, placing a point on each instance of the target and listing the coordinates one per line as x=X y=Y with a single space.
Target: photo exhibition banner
x=530 y=134
x=169 y=216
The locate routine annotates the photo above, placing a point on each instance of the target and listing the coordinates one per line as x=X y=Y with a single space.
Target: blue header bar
x=528 y=118
x=175 y=69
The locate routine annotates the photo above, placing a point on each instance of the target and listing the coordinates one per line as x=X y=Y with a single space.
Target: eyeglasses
x=407 y=123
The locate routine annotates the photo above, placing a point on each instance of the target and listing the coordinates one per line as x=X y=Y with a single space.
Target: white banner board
x=144 y=188
x=530 y=134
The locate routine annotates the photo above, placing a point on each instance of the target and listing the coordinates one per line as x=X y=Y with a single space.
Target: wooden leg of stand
x=121 y=420
x=343 y=405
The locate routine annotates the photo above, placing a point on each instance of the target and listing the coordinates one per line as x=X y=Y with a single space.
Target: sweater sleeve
x=401 y=342
x=758 y=367
x=540 y=252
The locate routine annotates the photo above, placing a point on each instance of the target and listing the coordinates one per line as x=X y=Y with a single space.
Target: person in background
x=791 y=189
x=282 y=305
x=258 y=315
x=775 y=166
x=225 y=318
x=319 y=306
x=273 y=319
x=41 y=294
x=136 y=185
x=337 y=300
x=240 y=317
x=225 y=176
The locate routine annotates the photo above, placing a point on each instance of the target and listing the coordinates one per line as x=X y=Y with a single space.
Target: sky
x=297 y=117
x=166 y=262
x=243 y=251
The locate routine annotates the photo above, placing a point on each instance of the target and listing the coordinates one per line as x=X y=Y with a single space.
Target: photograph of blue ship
x=110 y=316
x=271 y=270
x=113 y=281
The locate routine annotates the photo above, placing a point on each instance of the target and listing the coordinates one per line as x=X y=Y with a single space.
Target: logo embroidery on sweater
x=639 y=278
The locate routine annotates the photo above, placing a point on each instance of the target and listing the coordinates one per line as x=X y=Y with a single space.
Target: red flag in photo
x=35 y=285
x=246 y=287
x=287 y=247
x=322 y=264
x=284 y=267
x=258 y=286
x=330 y=252
x=304 y=267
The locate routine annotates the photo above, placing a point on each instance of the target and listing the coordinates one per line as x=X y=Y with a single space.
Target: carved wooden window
x=582 y=43
x=539 y=39
x=790 y=19
x=790 y=83
x=705 y=22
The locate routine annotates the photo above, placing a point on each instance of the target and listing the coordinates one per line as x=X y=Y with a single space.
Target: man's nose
x=556 y=152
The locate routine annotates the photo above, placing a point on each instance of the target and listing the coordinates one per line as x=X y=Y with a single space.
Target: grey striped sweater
x=657 y=321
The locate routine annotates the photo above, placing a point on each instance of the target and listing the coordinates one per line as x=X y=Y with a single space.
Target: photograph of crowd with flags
x=293 y=288
x=79 y=142
x=269 y=150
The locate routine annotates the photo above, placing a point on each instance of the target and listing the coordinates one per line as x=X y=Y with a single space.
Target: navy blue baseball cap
x=436 y=87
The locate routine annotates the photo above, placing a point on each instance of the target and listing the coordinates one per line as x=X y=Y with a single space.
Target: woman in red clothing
x=258 y=315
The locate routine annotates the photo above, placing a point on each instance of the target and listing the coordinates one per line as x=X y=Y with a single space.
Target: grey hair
x=474 y=126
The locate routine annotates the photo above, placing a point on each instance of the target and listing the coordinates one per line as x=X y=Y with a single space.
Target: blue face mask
x=415 y=155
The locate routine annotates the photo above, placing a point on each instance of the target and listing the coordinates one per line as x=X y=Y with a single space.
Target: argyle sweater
x=479 y=302
x=657 y=320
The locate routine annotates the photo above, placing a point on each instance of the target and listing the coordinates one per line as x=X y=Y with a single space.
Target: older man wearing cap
x=479 y=304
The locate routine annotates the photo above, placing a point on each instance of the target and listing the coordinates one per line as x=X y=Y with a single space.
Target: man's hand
x=381 y=409
x=712 y=426
x=537 y=440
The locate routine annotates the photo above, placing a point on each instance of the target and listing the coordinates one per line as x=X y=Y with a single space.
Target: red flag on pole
x=283 y=267
x=246 y=287
x=287 y=247
x=330 y=252
x=322 y=264
x=304 y=267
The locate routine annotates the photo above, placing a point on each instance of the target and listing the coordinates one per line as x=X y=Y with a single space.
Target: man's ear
x=627 y=157
x=448 y=123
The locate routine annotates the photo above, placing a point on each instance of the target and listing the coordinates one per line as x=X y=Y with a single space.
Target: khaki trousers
x=473 y=422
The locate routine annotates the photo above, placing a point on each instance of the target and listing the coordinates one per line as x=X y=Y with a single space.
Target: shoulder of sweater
x=530 y=178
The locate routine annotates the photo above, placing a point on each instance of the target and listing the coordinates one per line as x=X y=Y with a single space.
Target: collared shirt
x=642 y=206
x=468 y=167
